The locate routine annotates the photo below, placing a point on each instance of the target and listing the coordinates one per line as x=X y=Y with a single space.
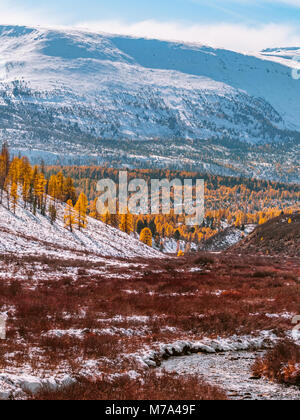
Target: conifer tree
x=140 y=226
x=39 y=192
x=33 y=190
x=14 y=172
x=6 y=156
x=106 y=217
x=60 y=186
x=2 y=176
x=7 y=189
x=26 y=180
x=53 y=188
x=81 y=211
x=69 y=217
x=52 y=213
x=93 y=210
x=69 y=192
x=126 y=224
x=14 y=196
x=4 y=168
x=146 y=236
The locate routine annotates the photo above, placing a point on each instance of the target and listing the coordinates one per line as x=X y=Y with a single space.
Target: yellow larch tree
x=93 y=210
x=69 y=217
x=4 y=168
x=146 y=236
x=106 y=217
x=81 y=208
x=126 y=223
x=26 y=180
x=39 y=190
x=53 y=188
x=14 y=196
x=69 y=191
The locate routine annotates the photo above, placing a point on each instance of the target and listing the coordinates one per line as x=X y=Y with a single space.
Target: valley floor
x=109 y=321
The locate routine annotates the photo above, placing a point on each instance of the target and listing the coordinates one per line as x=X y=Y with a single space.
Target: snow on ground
x=171 y=246
x=15 y=384
x=232 y=372
x=225 y=239
x=105 y=331
x=210 y=346
x=18 y=386
x=26 y=234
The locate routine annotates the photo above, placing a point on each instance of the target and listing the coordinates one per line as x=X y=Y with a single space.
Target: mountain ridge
x=278 y=236
x=64 y=91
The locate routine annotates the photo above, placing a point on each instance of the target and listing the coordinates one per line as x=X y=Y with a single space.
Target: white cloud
x=10 y=14
x=231 y=36
x=239 y=37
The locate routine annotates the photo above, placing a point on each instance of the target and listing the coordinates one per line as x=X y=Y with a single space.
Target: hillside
x=24 y=234
x=279 y=236
x=75 y=96
x=225 y=239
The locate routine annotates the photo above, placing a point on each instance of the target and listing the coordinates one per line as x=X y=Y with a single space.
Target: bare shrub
x=282 y=364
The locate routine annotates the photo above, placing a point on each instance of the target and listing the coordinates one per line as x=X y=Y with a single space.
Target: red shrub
x=282 y=364
x=152 y=387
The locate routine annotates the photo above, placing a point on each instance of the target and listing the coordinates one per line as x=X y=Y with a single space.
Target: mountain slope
x=279 y=236
x=225 y=239
x=25 y=234
x=61 y=91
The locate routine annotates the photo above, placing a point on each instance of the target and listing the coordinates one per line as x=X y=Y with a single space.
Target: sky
x=242 y=25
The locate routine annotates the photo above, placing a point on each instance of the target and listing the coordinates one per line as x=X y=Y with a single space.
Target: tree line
x=20 y=182
x=27 y=185
x=232 y=201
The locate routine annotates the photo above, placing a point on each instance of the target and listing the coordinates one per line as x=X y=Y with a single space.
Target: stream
x=232 y=372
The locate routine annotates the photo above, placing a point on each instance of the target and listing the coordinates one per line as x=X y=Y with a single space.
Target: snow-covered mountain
x=282 y=55
x=68 y=92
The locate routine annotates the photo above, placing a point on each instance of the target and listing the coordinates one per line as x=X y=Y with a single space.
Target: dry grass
x=226 y=297
x=279 y=236
x=166 y=386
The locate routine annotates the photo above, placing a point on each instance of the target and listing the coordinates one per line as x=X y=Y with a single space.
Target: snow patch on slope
x=26 y=234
